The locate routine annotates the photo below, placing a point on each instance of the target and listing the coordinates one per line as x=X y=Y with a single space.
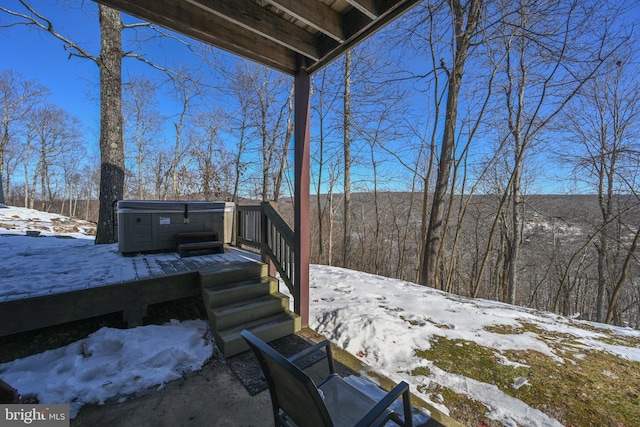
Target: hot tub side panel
x=152 y=226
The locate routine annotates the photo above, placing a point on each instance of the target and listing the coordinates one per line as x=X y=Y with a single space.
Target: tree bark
x=111 y=136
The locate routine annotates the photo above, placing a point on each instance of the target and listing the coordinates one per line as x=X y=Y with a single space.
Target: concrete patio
x=214 y=396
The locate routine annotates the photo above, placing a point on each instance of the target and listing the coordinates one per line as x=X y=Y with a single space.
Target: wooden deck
x=157 y=279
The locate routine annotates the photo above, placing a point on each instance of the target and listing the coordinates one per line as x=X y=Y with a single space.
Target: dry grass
x=590 y=388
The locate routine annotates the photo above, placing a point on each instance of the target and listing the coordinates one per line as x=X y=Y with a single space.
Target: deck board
x=158 y=278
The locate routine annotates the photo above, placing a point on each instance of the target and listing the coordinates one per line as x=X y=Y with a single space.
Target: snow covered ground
x=380 y=320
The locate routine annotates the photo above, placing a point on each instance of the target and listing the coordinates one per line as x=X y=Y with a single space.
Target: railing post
x=265 y=229
x=301 y=198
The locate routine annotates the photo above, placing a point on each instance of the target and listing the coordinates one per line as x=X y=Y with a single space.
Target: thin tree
x=17 y=97
x=326 y=97
x=605 y=123
x=547 y=65
x=347 y=160
x=143 y=125
x=464 y=23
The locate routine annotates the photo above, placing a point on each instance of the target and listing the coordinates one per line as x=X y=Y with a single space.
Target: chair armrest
x=374 y=416
x=313 y=349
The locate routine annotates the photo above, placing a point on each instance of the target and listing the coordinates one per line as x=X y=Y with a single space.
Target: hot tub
x=151 y=225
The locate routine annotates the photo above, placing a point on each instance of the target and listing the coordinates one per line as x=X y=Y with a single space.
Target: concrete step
x=241 y=291
x=267 y=329
x=232 y=272
x=247 y=311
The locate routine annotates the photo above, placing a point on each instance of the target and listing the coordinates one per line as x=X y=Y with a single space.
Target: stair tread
x=257 y=268
x=234 y=331
x=208 y=244
x=270 y=328
x=230 y=342
x=238 y=285
x=190 y=234
x=243 y=281
x=274 y=298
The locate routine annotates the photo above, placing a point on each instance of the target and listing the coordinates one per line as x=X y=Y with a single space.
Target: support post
x=301 y=198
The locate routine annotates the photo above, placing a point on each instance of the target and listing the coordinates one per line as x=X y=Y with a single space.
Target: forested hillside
x=559 y=271
x=486 y=148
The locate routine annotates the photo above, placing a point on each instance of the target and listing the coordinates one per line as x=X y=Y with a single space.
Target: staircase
x=243 y=296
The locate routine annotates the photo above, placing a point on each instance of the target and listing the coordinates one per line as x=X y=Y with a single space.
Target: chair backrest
x=291 y=389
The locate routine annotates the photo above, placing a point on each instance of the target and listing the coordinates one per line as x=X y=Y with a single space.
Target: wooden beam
x=368 y=7
x=185 y=18
x=360 y=27
x=251 y=16
x=259 y=32
x=302 y=214
x=315 y=14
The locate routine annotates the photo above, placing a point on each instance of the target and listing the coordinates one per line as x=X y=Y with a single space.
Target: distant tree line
x=423 y=169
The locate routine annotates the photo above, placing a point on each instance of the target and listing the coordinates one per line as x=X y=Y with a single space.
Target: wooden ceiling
x=281 y=34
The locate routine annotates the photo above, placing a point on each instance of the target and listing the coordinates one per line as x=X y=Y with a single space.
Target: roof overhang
x=283 y=34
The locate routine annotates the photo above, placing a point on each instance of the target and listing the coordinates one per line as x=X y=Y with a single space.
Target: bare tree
x=143 y=123
x=17 y=97
x=464 y=23
x=185 y=91
x=109 y=62
x=347 y=160
x=160 y=160
x=604 y=122
x=13 y=157
x=213 y=162
x=326 y=97
x=546 y=66
x=55 y=132
x=241 y=126
x=271 y=123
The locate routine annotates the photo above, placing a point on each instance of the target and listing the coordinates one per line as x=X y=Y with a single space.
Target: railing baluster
x=261 y=228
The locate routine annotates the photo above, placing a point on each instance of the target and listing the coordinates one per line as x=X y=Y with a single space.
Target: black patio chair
x=297 y=401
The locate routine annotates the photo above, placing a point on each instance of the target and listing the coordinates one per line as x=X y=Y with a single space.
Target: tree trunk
x=320 y=211
x=346 y=261
x=605 y=198
x=111 y=137
x=613 y=303
x=429 y=274
x=285 y=148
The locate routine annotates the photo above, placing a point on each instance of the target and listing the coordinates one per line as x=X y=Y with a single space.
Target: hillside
x=483 y=362
x=558 y=260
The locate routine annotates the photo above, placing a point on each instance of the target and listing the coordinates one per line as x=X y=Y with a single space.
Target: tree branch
x=43 y=23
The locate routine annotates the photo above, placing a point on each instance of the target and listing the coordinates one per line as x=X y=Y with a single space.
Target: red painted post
x=301 y=198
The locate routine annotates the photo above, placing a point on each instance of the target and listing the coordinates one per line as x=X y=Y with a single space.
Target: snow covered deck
x=127 y=284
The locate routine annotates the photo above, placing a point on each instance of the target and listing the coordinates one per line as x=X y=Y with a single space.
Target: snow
x=111 y=362
x=380 y=320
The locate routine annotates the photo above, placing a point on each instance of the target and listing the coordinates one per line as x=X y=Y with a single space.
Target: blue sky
x=73 y=81
x=38 y=56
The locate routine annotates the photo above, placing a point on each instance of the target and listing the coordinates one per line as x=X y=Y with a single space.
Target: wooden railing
x=261 y=228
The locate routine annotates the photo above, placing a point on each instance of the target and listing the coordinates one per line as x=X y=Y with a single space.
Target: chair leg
x=406 y=403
